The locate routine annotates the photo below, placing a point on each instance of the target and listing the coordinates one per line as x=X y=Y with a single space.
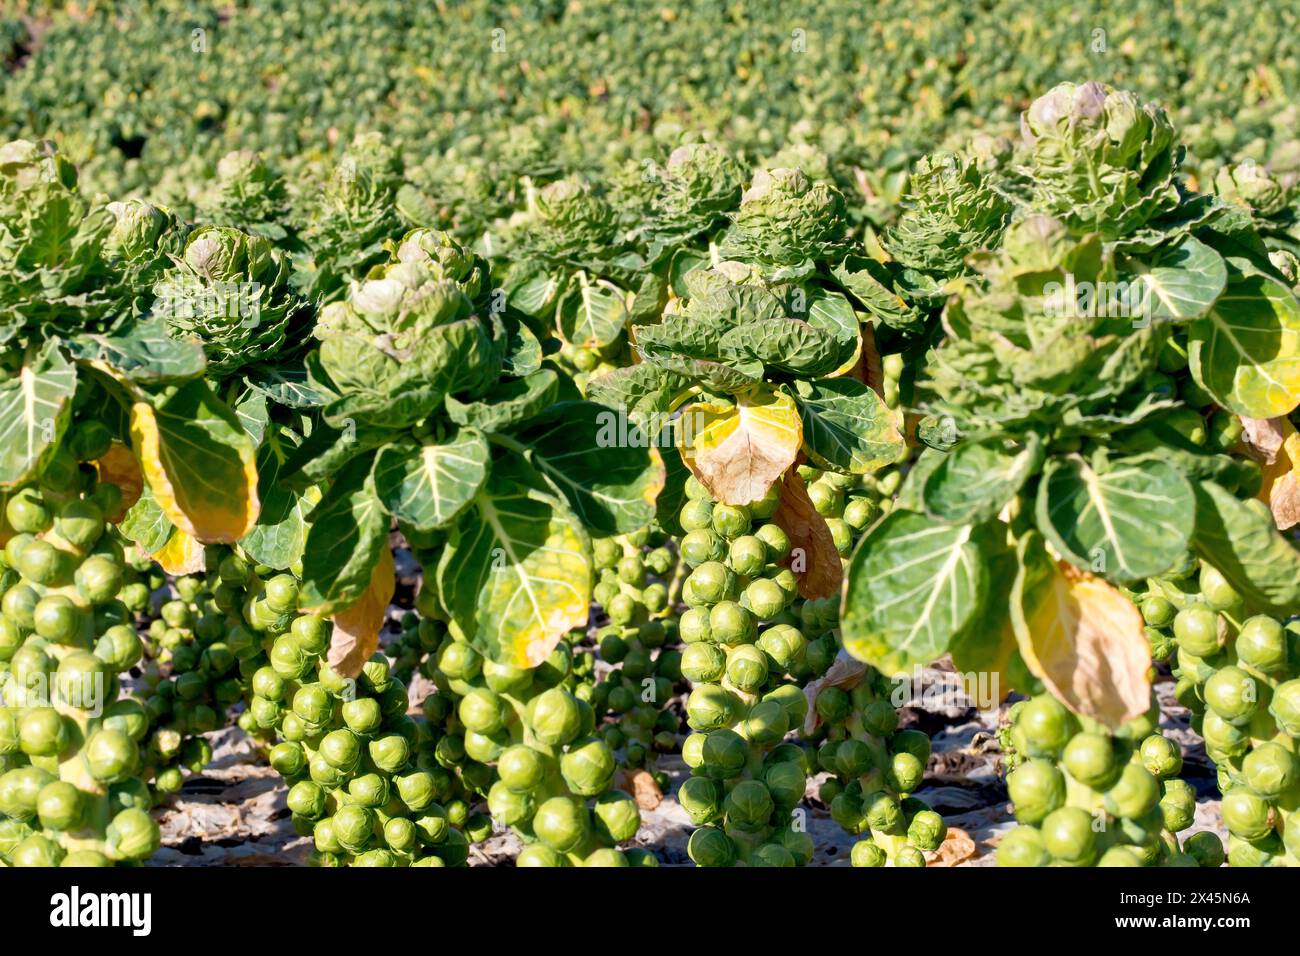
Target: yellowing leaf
x=1081 y=637
x=1280 y=487
x=813 y=557
x=357 y=627
x=181 y=554
x=739 y=451
x=199 y=462
x=119 y=467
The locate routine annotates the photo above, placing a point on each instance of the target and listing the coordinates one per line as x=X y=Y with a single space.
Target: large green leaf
x=280 y=535
x=428 y=485
x=847 y=426
x=1129 y=522
x=349 y=528
x=199 y=461
x=509 y=403
x=1179 y=282
x=913 y=587
x=145 y=353
x=591 y=312
x=1246 y=351
x=610 y=484
x=516 y=573
x=1241 y=540
x=35 y=404
x=977 y=478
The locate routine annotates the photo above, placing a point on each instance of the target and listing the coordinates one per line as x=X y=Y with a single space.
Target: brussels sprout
x=1233 y=695
x=562 y=823
x=1247 y=815
x=1206 y=848
x=110 y=756
x=1177 y=805
x=1262 y=645
x=1068 y=836
x=588 y=766
x=1285 y=707
x=709 y=846
x=616 y=817
x=36 y=850
x=1046 y=725
x=1120 y=856
x=1162 y=757
x=59 y=806
x=554 y=716
x=1135 y=793
x=1270 y=770
x=1036 y=789
x=341 y=749
x=132 y=836
x=539 y=854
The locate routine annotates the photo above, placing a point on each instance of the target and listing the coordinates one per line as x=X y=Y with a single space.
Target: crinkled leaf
x=976 y=479
x=609 y=484
x=847 y=427
x=1179 y=282
x=591 y=312
x=511 y=402
x=144 y=353
x=145 y=523
x=280 y=535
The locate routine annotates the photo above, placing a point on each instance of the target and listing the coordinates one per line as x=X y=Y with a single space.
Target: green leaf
x=977 y=478
x=591 y=312
x=145 y=353
x=1246 y=352
x=516 y=573
x=145 y=523
x=847 y=426
x=1241 y=540
x=253 y=415
x=644 y=391
x=290 y=386
x=35 y=405
x=349 y=528
x=428 y=485
x=1179 y=282
x=1130 y=522
x=610 y=485
x=783 y=345
x=913 y=587
x=280 y=535
x=511 y=402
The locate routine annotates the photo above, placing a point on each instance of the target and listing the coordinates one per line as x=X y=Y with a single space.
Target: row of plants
x=692 y=459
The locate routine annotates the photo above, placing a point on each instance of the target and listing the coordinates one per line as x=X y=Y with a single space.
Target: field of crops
x=576 y=433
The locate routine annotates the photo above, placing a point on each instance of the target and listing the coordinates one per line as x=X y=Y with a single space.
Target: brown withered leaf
x=357 y=627
x=1277 y=445
x=739 y=451
x=956 y=848
x=813 y=558
x=1084 y=639
x=641 y=786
